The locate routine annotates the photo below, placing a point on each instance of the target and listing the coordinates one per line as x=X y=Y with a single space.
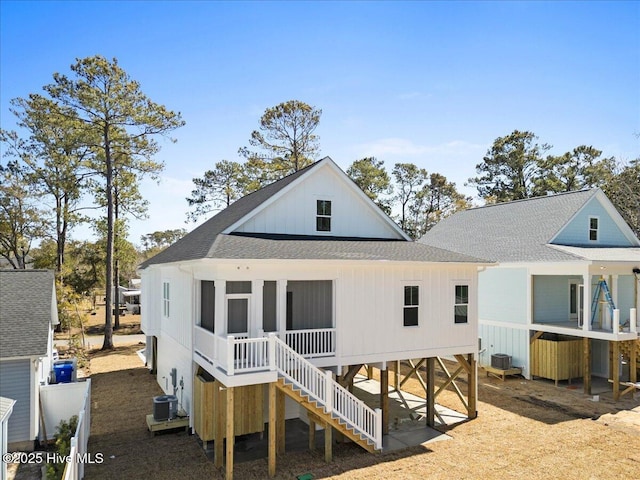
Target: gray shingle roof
x=249 y=247
x=516 y=231
x=25 y=312
x=198 y=243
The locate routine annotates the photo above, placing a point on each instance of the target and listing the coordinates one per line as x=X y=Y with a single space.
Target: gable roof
x=26 y=306
x=201 y=242
x=517 y=231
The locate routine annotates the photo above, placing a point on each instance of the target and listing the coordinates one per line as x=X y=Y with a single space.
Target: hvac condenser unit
x=501 y=361
x=165 y=407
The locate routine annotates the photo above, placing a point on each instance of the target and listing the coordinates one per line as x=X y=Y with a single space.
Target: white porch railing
x=237 y=356
x=320 y=386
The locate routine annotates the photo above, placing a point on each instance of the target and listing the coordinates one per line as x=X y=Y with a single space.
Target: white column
x=220 y=320
x=586 y=301
x=257 y=291
x=281 y=308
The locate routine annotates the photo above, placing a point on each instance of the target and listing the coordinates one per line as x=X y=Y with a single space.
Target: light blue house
x=553 y=255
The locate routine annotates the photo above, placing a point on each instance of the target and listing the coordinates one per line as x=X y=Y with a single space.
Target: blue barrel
x=63 y=372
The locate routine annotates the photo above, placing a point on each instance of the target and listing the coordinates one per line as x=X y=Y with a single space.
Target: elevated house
x=28 y=314
x=563 y=301
x=291 y=288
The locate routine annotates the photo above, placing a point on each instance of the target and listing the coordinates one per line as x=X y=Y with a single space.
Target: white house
x=28 y=313
x=303 y=277
x=568 y=273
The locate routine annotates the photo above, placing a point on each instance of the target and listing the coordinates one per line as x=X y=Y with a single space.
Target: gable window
x=165 y=299
x=593 y=229
x=411 y=305
x=461 y=306
x=323 y=218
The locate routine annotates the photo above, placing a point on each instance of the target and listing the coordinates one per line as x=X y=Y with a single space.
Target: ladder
x=602 y=287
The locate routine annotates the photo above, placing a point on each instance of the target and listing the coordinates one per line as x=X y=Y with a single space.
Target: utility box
x=501 y=361
x=165 y=407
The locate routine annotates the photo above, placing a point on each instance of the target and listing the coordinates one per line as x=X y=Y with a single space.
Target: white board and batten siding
x=174 y=331
x=295 y=213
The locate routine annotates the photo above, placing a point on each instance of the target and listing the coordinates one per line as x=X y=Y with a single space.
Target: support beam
x=369 y=372
x=280 y=430
x=230 y=433
x=384 y=399
x=272 y=429
x=615 y=348
x=328 y=443
x=415 y=372
x=312 y=434
x=633 y=362
x=219 y=426
x=472 y=387
x=431 y=380
x=586 y=365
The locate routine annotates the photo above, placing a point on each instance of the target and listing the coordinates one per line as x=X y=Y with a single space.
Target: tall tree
x=153 y=243
x=409 y=180
x=583 y=167
x=124 y=122
x=623 y=189
x=217 y=188
x=52 y=156
x=286 y=137
x=437 y=199
x=21 y=219
x=372 y=178
x=510 y=168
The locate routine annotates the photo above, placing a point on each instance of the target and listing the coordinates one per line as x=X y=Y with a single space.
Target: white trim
x=421 y=303
x=597 y=229
x=326 y=161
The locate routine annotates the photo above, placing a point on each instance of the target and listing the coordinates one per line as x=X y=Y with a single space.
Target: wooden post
x=472 y=387
x=369 y=372
x=230 y=434
x=384 y=399
x=396 y=377
x=633 y=361
x=280 y=430
x=218 y=428
x=615 y=348
x=431 y=405
x=312 y=434
x=586 y=365
x=272 y=429
x=328 y=443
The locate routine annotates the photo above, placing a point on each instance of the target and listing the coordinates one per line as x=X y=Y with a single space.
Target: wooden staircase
x=328 y=402
x=317 y=412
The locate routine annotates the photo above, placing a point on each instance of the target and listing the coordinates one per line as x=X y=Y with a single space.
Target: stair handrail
x=320 y=386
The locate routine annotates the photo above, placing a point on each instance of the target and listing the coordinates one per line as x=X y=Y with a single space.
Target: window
x=238 y=287
x=461 y=306
x=323 y=219
x=411 y=302
x=165 y=299
x=207 y=305
x=593 y=229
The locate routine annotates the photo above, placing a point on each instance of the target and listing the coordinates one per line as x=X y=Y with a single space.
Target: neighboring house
x=6 y=408
x=307 y=272
x=28 y=313
x=553 y=252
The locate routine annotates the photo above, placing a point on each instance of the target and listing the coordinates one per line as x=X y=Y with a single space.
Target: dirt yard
x=524 y=430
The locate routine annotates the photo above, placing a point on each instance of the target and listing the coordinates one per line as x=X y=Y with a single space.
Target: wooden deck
x=502 y=374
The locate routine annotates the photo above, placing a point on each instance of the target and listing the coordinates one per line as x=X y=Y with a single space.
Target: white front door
x=576 y=292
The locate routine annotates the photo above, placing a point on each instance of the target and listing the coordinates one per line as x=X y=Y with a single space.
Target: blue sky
x=433 y=83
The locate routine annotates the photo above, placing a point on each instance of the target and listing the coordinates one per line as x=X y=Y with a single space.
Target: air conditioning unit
x=165 y=407
x=501 y=361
